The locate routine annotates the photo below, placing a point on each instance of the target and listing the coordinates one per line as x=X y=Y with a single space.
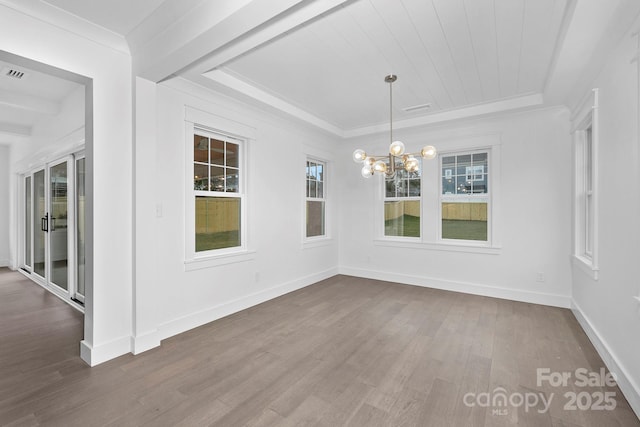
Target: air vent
x=417 y=108
x=13 y=73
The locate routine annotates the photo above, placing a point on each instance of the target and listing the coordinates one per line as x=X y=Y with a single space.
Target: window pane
x=320 y=189
x=320 y=171
x=200 y=177
x=232 y=154
x=217 y=178
x=402 y=218
x=448 y=185
x=312 y=171
x=232 y=181
x=462 y=187
x=464 y=162
x=217 y=152
x=200 y=149
x=465 y=221
x=588 y=163
x=481 y=159
x=315 y=218
x=390 y=188
x=312 y=188
x=414 y=187
x=217 y=223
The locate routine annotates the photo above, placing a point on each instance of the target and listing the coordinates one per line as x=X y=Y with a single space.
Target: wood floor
x=345 y=351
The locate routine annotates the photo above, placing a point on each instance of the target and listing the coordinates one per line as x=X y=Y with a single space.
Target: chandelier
x=397 y=157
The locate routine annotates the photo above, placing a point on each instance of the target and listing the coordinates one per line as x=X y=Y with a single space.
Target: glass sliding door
x=54 y=226
x=27 y=223
x=80 y=204
x=58 y=230
x=40 y=219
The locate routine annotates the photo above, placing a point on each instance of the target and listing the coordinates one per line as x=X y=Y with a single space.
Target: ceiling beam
x=29 y=103
x=216 y=25
x=296 y=18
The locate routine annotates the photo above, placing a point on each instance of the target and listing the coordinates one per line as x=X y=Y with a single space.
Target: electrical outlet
x=540 y=277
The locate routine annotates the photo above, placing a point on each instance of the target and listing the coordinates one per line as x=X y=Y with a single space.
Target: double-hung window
x=316 y=189
x=402 y=207
x=588 y=205
x=464 y=199
x=218 y=191
x=585 y=136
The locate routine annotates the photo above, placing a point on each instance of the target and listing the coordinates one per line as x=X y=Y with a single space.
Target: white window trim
x=586 y=117
x=431 y=212
x=310 y=153
x=324 y=239
x=454 y=197
x=199 y=120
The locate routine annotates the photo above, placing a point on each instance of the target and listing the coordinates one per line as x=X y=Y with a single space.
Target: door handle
x=53 y=224
x=44 y=222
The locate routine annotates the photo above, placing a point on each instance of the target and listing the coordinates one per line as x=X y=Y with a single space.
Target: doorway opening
x=51 y=179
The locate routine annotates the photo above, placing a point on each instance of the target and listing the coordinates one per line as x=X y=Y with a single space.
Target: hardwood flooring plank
x=344 y=351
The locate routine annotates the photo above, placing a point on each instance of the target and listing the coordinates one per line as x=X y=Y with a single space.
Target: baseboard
x=200 y=318
x=465 y=287
x=95 y=355
x=143 y=342
x=4 y=263
x=627 y=385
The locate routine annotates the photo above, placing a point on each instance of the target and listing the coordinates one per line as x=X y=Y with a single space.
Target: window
x=587 y=206
x=402 y=204
x=218 y=194
x=316 y=198
x=464 y=198
x=450 y=204
x=585 y=138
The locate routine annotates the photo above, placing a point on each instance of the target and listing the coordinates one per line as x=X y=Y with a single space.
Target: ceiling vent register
x=13 y=73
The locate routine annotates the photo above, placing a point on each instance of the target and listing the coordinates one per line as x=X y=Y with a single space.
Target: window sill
x=442 y=246
x=218 y=260
x=586 y=266
x=316 y=242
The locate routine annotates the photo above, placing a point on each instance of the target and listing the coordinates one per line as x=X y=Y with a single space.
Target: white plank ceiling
x=448 y=53
x=324 y=61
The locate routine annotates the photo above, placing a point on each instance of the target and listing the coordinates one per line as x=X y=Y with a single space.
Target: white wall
x=533 y=225
x=108 y=306
x=170 y=299
x=4 y=205
x=606 y=307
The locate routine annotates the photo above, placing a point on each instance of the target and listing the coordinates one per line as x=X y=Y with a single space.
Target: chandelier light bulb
x=428 y=152
x=396 y=148
x=367 y=171
x=411 y=164
x=380 y=166
x=359 y=156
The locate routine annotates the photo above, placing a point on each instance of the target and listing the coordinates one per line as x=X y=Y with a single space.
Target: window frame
x=238 y=195
x=308 y=198
x=431 y=211
x=585 y=186
x=458 y=198
x=200 y=121
x=397 y=198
